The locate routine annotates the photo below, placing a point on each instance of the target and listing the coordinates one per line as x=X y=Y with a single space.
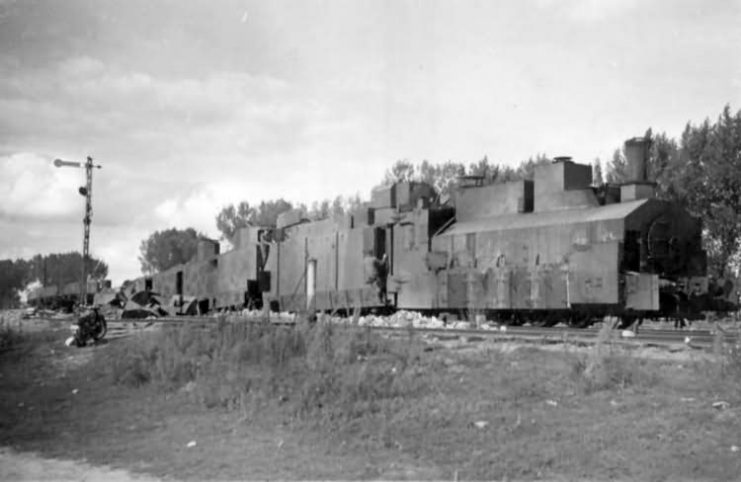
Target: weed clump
x=8 y=338
x=339 y=371
x=728 y=356
x=607 y=367
x=351 y=372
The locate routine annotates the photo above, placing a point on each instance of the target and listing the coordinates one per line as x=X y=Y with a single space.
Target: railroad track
x=645 y=336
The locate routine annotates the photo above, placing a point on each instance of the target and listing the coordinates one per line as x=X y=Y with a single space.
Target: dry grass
x=608 y=366
x=9 y=333
x=337 y=371
x=9 y=338
x=725 y=371
x=333 y=402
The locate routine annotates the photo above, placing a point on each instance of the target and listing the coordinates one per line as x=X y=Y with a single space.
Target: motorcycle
x=91 y=326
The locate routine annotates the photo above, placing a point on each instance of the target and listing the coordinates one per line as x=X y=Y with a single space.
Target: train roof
x=608 y=212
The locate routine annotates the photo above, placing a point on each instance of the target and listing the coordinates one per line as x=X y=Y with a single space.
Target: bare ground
x=26 y=467
x=60 y=424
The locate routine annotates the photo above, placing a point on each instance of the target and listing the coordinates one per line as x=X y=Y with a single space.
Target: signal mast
x=87 y=191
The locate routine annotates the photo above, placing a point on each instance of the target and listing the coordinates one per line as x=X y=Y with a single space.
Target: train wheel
x=545 y=319
x=540 y=322
x=626 y=321
x=579 y=320
x=551 y=319
x=516 y=320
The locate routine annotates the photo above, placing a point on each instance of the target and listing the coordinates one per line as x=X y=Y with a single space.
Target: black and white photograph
x=370 y=240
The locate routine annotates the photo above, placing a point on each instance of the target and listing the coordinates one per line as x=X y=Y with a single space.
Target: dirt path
x=16 y=466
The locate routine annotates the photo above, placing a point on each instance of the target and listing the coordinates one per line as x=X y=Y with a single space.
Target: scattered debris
x=461 y=325
x=480 y=424
x=189 y=387
x=144 y=304
x=184 y=305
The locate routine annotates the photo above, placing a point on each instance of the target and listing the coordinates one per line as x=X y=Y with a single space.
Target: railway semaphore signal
x=87 y=191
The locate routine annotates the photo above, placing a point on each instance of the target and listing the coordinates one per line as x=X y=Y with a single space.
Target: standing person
x=376 y=273
x=381 y=268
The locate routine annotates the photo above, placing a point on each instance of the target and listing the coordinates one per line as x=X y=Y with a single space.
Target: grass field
x=341 y=403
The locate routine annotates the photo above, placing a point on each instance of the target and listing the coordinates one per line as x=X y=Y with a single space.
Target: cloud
x=590 y=10
x=32 y=188
x=118 y=246
x=188 y=108
x=197 y=208
x=82 y=104
x=174 y=152
x=109 y=96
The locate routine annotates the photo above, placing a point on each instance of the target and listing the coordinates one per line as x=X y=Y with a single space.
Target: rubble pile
x=399 y=319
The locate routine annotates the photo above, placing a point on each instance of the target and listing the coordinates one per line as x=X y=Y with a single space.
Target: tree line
x=701 y=171
x=49 y=270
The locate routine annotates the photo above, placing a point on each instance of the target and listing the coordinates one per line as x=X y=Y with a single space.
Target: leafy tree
x=232 y=218
x=483 y=169
x=268 y=211
x=664 y=167
x=330 y=209
x=12 y=279
x=164 y=249
x=49 y=270
x=526 y=169
x=711 y=184
x=59 y=269
x=495 y=173
x=443 y=177
x=402 y=170
x=319 y=210
x=617 y=171
x=337 y=208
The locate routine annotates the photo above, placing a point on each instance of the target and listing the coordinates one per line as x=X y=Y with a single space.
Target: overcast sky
x=191 y=105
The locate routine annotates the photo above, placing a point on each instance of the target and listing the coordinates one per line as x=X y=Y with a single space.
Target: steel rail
x=645 y=335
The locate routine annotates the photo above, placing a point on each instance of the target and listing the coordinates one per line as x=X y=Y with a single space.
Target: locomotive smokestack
x=636 y=153
x=637 y=186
